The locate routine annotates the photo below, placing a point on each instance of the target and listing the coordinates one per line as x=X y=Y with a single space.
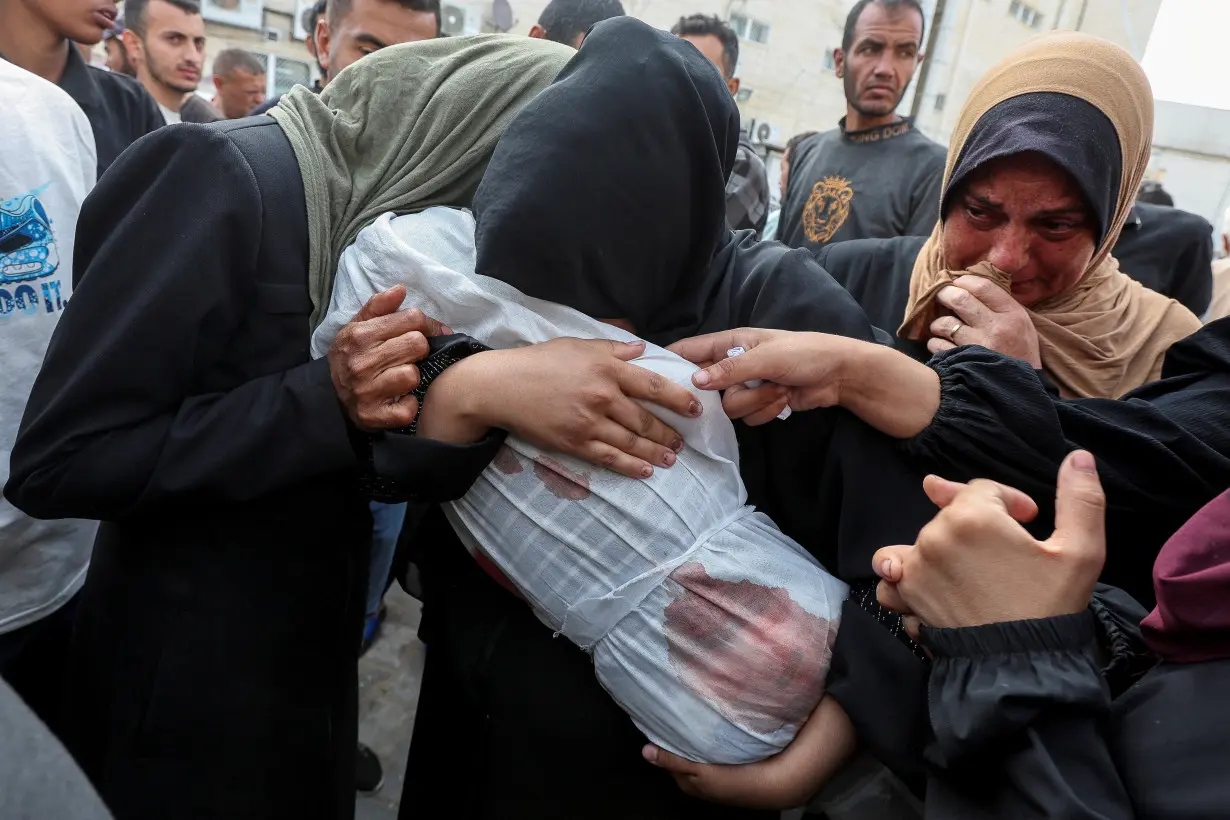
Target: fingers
x=639 y=433
x=639 y=383
x=672 y=763
x=712 y=347
x=987 y=293
x=382 y=304
x=389 y=415
x=741 y=402
x=912 y=624
x=611 y=457
x=769 y=413
x=888 y=562
x=889 y=597
x=937 y=345
x=1080 y=505
x=627 y=351
x=367 y=334
x=941 y=491
x=967 y=307
x=400 y=350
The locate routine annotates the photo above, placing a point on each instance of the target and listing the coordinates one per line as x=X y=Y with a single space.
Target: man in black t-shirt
x=874 y=176
x=120 y=111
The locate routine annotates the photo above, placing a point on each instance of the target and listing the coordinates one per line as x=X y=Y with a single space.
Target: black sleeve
x=1018 y=712
x=1163 y=450
x=116 y=422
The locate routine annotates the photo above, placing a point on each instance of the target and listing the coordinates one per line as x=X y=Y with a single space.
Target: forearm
x=456 y=408
x=888 y=390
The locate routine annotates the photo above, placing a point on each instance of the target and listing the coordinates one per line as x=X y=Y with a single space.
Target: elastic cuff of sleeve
x=1062 y=633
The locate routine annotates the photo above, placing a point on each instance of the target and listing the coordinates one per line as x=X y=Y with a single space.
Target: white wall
x=1191 y=157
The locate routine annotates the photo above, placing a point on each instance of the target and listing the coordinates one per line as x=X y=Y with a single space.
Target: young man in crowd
x=117 y=55
x=39 y=37
x=747 y=190
x=568 y=21
x=239 y=83
x=47 y=166
x=874 y=176
x=348 y=29
x=166 y=43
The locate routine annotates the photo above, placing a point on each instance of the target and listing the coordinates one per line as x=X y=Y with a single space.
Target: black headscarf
x=1070 y=132
x=607 y=193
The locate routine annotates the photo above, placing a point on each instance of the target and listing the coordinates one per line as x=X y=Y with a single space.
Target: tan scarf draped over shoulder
x=1108 y=334
x=403 y=129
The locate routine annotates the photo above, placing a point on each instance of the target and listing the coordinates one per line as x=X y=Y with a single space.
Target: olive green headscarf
x=403 y=129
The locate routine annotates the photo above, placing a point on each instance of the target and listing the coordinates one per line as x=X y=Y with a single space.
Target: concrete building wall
x=973 y=35
x=1190 y=149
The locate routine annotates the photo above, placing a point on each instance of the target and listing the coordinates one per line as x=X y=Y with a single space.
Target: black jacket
x=1163 y=450
x=214 y=665
x=1169 y=251
x=1027 y=722
x=120 y=111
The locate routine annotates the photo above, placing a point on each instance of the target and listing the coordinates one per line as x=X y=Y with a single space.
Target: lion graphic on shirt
x=826 y=209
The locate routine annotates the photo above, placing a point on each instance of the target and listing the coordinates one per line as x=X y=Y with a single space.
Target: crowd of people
x=974 y=388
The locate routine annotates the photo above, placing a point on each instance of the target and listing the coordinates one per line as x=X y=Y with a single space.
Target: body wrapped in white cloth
x=710 y=627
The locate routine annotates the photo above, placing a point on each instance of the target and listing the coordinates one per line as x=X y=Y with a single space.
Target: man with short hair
x=166 y=42
x=239 y=83
x=117 y=55
x=348 y=29
x=874 y=176
x=568 y=21
x=747 y=190
x=39 y=37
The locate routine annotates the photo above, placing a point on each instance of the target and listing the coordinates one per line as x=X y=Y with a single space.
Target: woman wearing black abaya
x=605 y=194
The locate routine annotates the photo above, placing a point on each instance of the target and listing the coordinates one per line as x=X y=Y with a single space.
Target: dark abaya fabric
x=607 y=194
x=1070 y=132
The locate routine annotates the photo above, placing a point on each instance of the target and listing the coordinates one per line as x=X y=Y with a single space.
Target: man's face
x=82 y=21
x=117 y=58
x=239 y=92
x=369 y=25
x=882 y=58
x=173 y=49
x=710 y=46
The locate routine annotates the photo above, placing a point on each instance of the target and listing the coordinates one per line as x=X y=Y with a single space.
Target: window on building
x=748 y=29
x=744 y=95
x=287 y=74
x=940 y=99
x=1025 y=13
x=829 y=63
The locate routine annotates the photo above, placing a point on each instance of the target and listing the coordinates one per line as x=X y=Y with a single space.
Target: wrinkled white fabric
x=708 y=625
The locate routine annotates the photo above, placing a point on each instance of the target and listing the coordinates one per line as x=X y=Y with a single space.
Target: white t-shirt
x=47 y=167
x=170 y=116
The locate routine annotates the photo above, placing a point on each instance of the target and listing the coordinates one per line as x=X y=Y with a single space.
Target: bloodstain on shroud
x=562 y=482
x=748 y=649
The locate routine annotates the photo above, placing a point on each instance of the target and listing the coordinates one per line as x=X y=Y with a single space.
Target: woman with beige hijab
x=1042 y=168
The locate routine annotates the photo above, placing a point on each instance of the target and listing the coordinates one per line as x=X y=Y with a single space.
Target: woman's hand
x=571 y=396
x=985 y=315
x=975 y=564
x=882 y=386
x=784 y=781
x=803 y=370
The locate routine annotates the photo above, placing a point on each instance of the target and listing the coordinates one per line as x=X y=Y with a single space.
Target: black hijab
x=1070 y=132
x=607 y=193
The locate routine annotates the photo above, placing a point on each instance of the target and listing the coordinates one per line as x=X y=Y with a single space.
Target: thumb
x=1080 y=505
x=382 y=304
x=663 y=759
x=627 y=351
x=727 y=372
